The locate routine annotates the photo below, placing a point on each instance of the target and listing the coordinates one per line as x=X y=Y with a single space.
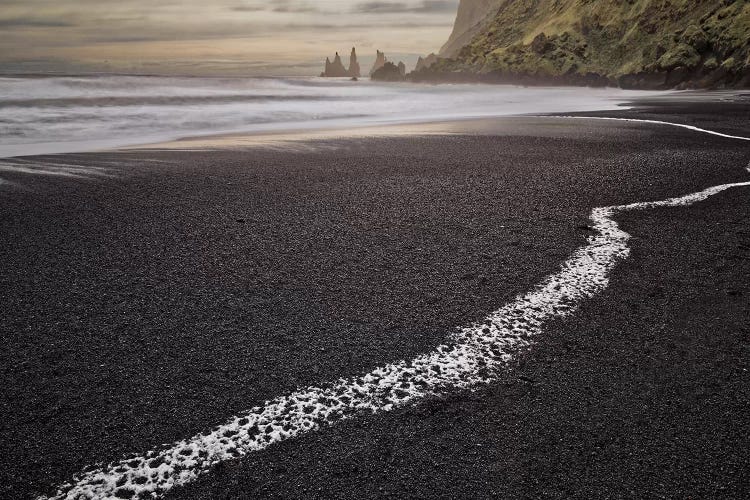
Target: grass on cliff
x=611 y=37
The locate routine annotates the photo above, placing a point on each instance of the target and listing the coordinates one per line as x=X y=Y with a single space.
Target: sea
x=61 y=114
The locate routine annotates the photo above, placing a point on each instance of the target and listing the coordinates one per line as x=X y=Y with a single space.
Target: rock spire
x=380 y=61
x=354 y=70
x=337 y=69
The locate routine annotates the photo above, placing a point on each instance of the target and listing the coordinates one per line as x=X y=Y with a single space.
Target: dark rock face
x=336 y=68
x=643 y=81
x=540 y=44
x=512 y=78
x=390 y=72
x=426 y=62
x=682 y=78
x=679 y=78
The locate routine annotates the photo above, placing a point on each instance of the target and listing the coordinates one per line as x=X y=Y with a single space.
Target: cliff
x=633 y=43
x=470 y=19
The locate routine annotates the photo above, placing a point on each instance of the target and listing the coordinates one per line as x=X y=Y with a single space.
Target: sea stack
x=390 y=73
x=337 y=69
x=380 y=61
x=354 y=70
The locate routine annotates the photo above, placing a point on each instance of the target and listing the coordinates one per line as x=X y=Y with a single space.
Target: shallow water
x=70 y=114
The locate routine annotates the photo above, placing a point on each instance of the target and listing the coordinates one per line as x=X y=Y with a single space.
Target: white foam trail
x=655 y=122
x=475 y=355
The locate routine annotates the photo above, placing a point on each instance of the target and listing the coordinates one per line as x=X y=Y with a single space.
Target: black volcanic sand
x=156 y=301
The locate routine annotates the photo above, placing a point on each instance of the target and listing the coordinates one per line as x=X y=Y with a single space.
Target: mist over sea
x=73 y=114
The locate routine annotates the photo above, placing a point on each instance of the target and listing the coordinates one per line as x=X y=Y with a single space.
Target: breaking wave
x=70 y=114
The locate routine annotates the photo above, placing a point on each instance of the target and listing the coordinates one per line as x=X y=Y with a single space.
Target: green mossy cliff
x=630 y=43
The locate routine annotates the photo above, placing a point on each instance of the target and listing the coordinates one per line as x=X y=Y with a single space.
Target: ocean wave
x=68 y=114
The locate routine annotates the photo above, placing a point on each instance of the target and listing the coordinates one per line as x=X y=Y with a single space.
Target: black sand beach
x=154 y=297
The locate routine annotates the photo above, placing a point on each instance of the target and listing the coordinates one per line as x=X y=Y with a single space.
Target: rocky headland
x=648 y=44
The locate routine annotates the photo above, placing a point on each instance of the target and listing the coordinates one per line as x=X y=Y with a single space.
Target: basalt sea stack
x=380 y=61
x=337 y=69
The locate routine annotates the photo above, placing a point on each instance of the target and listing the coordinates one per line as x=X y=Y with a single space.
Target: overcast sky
x=213 y=36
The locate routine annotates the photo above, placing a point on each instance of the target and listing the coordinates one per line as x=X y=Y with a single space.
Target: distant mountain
x=631 y=43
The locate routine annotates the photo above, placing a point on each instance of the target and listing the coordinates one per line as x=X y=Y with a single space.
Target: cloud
x=355 y=26
x=427 y=6
x=303 y=7
x=281 y=6
x=295 y=9
x=123 y=35
x=31 y=22
x=249 y=8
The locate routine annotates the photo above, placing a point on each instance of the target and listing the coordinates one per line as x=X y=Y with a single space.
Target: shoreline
x=483 y=102
x=611 y=101
x=662 y=102
x=488 y=124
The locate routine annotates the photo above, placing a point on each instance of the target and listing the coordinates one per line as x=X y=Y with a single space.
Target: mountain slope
x=634 y=43
x=471 y=18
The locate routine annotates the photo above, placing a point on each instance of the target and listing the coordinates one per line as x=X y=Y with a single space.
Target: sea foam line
x=475 y=355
